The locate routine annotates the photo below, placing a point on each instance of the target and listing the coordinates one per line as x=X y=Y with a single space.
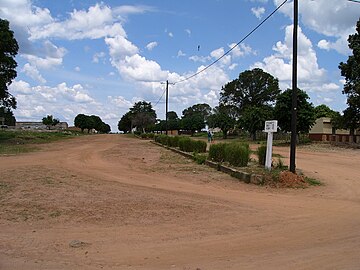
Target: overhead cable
x=232 y=48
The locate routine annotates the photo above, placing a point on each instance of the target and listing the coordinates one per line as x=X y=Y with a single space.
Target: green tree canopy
x=142 y=115
x=305 y=111
x=194 y=118
x=80 y=121
x=171 y=115
x=124 y=123
x=351 y=71
x=49 y=121
x=97 y=123
x=351 y=118
x=253 y=118
x=8 y=50
x=252 y=88
x=323 y=111
x=91 y=122
x=105 y=128
x=8 y=115
x=173 y=121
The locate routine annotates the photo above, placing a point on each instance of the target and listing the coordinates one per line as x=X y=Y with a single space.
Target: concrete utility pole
x=294 y=91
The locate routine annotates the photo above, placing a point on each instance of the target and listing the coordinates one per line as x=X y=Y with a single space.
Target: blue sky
x=100 y=58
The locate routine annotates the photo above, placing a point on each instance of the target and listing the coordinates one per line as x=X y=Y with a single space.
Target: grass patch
x=17 y=141
x=313 y=181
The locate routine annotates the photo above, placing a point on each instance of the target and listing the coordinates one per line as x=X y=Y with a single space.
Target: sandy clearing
x=138 y=206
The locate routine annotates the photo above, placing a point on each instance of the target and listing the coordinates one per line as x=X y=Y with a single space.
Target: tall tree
x=251 y=97
x=305 y=111
x=82 y=121
x=351 y=71
x=142 y=115
x=50 y=121
x=252 y=88
x=173 y=121
x=124 y=123
x=8 y=50
x=222 y=118
x=194 y=118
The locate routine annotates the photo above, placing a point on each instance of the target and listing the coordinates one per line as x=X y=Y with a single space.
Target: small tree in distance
x=50 y=121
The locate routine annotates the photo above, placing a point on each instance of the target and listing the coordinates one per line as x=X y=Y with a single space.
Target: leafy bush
x=188 y=145
x=185 y=144
x=198 y=146
x=199 y=158
x=163 y=139
x=173 y=141
x=261 y=153
x=237 y=154
x=147 y=135
x=217 y=152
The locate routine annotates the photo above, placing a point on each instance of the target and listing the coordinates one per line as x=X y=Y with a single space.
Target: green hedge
x=173 y=141
x=217 y=152
x=184 y=143
x=188 y=145
x=147 y=135
x=237 y=154
x=163 y=139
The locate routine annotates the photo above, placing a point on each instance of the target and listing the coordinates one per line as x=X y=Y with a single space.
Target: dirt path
x=134 y=205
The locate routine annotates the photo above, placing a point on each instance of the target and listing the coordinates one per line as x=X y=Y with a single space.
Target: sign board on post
x=270 y=128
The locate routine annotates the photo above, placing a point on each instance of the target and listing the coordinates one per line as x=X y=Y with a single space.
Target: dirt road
x=134 y=205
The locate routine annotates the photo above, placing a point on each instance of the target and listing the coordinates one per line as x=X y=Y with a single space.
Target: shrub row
x=184 y=143
x=188 y=145
x=237 y=154
x=147 y=135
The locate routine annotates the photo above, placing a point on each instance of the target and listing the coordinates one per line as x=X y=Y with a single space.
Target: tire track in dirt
x=142 y=207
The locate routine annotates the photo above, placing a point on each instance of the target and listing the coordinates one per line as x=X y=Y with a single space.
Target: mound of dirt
x=288 y=179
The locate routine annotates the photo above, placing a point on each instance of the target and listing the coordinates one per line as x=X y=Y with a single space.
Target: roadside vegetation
x=16 y=141
x=236 y=155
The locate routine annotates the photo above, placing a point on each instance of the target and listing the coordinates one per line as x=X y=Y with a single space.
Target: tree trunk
x=352 y=134
x=225 y=134
x=254 y=136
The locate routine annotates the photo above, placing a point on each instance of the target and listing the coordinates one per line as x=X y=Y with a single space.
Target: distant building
x=40 y=126
x=324 y=131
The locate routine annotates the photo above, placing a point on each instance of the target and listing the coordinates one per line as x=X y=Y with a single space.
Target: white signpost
x=270 y=128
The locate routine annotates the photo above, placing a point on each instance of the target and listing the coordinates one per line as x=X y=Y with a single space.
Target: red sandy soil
x=134 y=205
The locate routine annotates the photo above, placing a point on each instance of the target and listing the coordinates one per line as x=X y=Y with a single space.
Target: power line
x=232 y=48
x=160 y=98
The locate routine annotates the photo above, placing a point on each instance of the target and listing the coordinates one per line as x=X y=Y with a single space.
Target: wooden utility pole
x=294 y=91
